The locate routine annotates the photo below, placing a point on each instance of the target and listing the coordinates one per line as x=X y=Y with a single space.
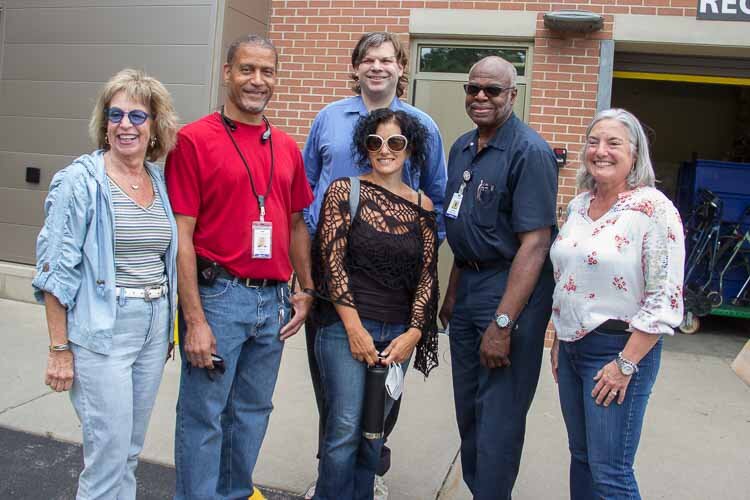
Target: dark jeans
x=221 y=421
x=390 y=422
x=602 y=440
x=348 y=460
x=491 y=404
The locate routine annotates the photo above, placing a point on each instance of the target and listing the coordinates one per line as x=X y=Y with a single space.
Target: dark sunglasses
x=218 y=369
x=215 y=372
x=396 y=143
x=136 y=116
x=490 y=91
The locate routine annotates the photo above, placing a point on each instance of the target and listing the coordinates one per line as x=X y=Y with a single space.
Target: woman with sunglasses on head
x=107 y=276
x=376 y=271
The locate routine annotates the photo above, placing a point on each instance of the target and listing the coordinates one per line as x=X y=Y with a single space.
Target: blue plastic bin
x=730 y=181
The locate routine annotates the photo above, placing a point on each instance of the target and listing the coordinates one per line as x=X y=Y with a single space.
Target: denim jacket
x=75 y=259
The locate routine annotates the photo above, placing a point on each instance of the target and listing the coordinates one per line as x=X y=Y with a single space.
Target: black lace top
x=384 y=263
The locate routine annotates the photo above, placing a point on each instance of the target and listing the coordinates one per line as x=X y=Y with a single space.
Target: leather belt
x=479 y=265
x=248 y=282
x=615 y=325
x=148 y=293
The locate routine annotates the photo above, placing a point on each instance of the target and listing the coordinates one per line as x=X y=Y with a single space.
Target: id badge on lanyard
x=262 y=239
x=455 y=205
x=262 y=234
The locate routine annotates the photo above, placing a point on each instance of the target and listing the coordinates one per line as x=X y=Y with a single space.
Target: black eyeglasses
x=136 y=116
x=396 y=143
x=490 y=90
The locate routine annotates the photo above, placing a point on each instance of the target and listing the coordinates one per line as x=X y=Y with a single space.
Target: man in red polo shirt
x=237 y=186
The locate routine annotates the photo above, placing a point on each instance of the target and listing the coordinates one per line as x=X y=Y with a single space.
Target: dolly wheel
x=690 y=324
x=715 y=299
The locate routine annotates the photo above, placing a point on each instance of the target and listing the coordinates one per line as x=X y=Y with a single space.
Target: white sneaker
x=380 y=489
x=310 y=492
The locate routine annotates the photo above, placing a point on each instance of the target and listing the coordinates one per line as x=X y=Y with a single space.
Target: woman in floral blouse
x=618 y=267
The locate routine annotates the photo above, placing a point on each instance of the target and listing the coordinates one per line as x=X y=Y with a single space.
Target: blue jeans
x=602 y=440
x=491 y=404
x=348 y=460
x=221 y=423
x=114 y=394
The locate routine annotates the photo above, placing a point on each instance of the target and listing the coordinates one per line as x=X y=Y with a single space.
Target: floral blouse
x=626 y=265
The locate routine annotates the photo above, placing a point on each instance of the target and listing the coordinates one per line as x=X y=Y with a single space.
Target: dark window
x=460 y=59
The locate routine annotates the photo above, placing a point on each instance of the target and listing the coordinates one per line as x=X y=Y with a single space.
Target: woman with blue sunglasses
x=106 y=273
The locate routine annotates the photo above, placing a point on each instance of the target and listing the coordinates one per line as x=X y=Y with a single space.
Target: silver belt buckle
x=147 y=293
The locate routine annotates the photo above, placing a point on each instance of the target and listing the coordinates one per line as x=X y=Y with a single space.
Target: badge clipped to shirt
x=455 y=205
x=262 y=231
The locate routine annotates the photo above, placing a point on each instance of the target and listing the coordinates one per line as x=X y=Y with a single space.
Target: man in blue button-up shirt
x=502 y=186
x=378 y=62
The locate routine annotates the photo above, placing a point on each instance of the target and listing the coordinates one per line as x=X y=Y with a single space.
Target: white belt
x=147 y=294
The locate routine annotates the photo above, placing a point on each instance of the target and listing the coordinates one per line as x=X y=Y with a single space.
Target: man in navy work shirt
x=378 y=62
x=500 y=219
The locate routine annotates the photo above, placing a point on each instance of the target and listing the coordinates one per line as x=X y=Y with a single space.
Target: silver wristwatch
x=626 y=366
x=503 y=321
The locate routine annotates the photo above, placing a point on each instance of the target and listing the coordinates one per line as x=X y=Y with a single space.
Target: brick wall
x=315 y=39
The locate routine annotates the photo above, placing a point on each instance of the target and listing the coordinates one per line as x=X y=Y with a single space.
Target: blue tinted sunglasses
x=136 y=116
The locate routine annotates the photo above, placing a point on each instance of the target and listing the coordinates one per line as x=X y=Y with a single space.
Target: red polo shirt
x=206 y=179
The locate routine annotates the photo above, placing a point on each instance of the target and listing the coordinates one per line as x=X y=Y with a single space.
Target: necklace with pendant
x=135 y=186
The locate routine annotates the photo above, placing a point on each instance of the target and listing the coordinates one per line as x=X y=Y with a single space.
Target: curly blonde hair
x=149 y=91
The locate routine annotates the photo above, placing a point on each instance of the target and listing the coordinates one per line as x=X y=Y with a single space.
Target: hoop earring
x=106 y=139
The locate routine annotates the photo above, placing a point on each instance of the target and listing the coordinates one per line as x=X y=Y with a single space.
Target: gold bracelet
x=59 y=347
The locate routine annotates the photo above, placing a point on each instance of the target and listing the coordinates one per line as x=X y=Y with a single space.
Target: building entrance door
x=440 y=69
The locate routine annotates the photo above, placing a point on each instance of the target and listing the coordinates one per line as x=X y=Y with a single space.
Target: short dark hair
x=411 y=128
x=376 y=39
x=254 y=40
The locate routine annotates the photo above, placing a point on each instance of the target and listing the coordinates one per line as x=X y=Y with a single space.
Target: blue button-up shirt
x=512 y=189
x=328 y=155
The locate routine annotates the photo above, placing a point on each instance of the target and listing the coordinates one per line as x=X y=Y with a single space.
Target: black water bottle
x=373 y=413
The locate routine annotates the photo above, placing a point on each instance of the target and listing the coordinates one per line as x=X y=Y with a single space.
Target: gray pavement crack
x=10 y=408
x=444 y=484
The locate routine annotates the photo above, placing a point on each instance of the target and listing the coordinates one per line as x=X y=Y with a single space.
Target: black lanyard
x=261 y=198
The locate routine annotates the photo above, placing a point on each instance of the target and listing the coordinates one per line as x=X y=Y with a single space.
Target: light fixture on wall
x=579 y=21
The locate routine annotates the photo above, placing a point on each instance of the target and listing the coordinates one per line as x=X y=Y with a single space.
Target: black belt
x=480 y=265
x=248 y=282
x=615 y=325
x=209 y=270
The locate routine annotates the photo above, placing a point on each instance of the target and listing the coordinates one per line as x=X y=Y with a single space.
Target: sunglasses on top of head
x=490 y=90
x=396 y=143
x=136 y=116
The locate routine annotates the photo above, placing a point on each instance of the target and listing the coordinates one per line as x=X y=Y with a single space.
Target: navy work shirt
x=513 y=189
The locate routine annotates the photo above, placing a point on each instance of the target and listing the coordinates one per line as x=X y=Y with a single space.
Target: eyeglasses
x=396 y=143
x=218 y=369
x=490 y=91
x=136 y=116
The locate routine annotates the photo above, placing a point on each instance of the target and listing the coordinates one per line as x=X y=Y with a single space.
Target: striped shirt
x=142 y=236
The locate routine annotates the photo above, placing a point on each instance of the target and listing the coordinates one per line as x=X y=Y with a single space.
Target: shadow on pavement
x=718 y=336
x=35 y=467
